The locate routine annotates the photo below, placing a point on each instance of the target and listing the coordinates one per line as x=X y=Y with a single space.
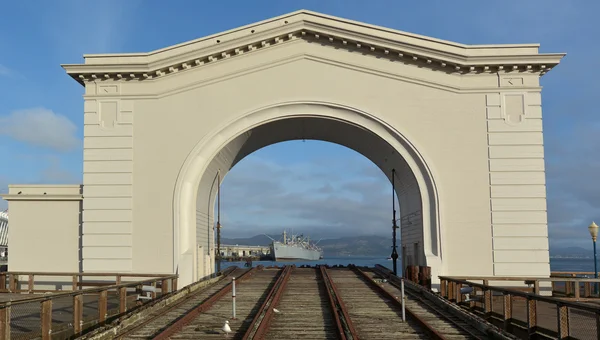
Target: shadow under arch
x=367 y=134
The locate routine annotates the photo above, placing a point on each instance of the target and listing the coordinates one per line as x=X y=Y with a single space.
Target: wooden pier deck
x=298 y=302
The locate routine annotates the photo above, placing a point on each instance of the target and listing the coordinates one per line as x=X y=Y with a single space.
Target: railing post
x=153 y=290
x=3 y=281
x=12 y=282
x=30 y=284
x=536 y=287
x=122 y=299
x=403 y=297
x=531 y=317
x=102 y=300
x=451 y=290
x=443 y=288
x=174 y=284
x=118 y=279
x=75 y=282
x=78 y=313
x=587 y=289
x=488 y=304
x=507 y=311
x=233 y=298
x=164 y=286
x=577 y=288
x=563 y=321
x=5 y=323
x=46 y=319
x=568 y=288
x=458 y=294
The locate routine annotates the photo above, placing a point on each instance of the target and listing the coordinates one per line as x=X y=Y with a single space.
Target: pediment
x=328 y=31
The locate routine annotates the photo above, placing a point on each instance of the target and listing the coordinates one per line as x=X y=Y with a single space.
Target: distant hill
x=344 y=246
x=570 y=252
x=379 y=246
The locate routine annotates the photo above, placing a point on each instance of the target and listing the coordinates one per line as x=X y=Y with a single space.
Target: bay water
x=556 y=264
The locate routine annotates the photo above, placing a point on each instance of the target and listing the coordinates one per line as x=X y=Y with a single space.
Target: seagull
x=276 y=310
x=226 y=328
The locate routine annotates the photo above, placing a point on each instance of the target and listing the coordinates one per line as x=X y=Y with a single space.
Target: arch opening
x=215 y=155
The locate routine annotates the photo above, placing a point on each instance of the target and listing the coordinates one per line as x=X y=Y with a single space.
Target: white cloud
x=42 y=127
x=317 y=197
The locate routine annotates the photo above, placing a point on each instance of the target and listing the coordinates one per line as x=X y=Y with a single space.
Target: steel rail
x=428 y=304
x=427 y=328
x=262 y=320
x=344 y=325
x=485 y=333
x=192 y=313
x=170 y=308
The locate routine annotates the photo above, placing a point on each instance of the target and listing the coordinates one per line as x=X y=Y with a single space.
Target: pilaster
x=517 y=180
x=108 y=179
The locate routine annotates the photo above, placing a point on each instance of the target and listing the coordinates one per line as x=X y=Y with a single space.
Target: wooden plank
x=5 y=323
x=563 y=321
x=122 y=299
x=46 y=319
x=102 y=306
x=77 y=313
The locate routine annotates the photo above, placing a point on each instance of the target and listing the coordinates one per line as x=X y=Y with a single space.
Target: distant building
x=3 y=234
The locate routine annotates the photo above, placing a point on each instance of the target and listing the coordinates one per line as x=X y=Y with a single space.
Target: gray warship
x=295 y=247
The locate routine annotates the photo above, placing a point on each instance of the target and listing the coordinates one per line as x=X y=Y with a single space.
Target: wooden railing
x=572 y=288
x=25 y=282
x=69 y=312
x=527 y=314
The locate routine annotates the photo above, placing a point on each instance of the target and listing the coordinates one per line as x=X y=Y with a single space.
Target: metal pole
x=595 y=269
x=394 y=226
x=218 y=259
x=233 y=296
x=403 y=299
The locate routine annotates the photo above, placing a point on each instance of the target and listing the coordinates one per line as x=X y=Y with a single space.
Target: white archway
x=198 y=160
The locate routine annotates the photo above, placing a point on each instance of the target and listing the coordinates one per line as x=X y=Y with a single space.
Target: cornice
x=13 y=197
x=149 y=66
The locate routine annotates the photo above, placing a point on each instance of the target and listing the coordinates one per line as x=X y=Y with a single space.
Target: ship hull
x=284 y=252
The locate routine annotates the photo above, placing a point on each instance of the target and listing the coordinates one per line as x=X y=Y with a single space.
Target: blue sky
x=41 y=107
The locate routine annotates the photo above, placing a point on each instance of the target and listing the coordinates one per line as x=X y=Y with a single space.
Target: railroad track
x=446 y=324
x=162 y=318
x=305 y=309
x=207 y=320
x=373 y=317
x=307 y=303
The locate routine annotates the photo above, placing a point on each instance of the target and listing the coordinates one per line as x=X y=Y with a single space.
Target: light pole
x=218 y=259
x=593 y=228
x=394 y=226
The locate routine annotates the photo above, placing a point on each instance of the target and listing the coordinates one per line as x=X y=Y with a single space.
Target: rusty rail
x=192 y=314
x=434 y=301
x=261 y=322
x=343 y=322
x=9 y=309
x=427 y=328
x=450 y=290
x=131 y=330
